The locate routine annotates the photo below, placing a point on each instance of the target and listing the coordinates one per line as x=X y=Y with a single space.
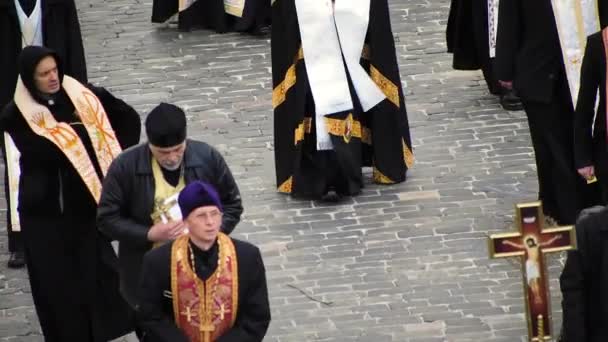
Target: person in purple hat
x=204 y=286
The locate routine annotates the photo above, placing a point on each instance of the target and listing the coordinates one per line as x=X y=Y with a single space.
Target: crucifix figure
x=530 y=243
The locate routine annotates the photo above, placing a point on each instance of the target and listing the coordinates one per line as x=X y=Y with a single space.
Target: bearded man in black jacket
x=138 y=205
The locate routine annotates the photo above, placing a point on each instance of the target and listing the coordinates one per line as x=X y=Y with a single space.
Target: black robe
x=467 y=39
x=156 y=309
x=71 y=267
x=584 y=281
x=61 y=32
x=590 y=145
x=210 y=14
x=384 y=142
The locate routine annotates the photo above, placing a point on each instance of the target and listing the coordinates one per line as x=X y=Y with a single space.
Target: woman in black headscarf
x=65 y=139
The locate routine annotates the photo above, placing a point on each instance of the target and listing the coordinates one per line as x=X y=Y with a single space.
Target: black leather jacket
x=127 y=201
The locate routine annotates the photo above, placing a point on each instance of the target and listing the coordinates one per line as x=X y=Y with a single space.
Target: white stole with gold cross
x=575 y=19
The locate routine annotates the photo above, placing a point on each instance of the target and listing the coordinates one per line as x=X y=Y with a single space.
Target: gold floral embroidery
x=347 y=128
x=408 y=156
x=280 y=91
x=380 y=178
x=286 y=186
x=302 y=129
x=390 y=90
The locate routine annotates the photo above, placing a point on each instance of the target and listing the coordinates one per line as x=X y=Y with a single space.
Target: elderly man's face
x=204 y=223
x=46 y=76
x=169 y=158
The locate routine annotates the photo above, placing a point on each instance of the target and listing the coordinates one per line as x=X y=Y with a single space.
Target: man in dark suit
x=55 y=23
x=529 y=59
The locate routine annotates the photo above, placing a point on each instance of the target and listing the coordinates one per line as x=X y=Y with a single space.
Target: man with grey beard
x=138 y=205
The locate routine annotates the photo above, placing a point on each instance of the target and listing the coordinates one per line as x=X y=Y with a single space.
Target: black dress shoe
x=510 y=101
x=16 y=260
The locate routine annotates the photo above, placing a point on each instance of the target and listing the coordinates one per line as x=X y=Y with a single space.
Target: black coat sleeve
x=573 y=282
x=229 y=192
x=157 y=326
x=76 y=62
x=123 y=118
x=585 y=107
x=253 y=316
x=508 y=39
x=111 y=218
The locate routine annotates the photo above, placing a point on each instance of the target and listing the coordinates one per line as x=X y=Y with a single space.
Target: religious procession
x=308 y=170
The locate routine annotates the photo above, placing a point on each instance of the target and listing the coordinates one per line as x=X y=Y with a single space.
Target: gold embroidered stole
x=94 y=118
x=204 y=310
x=165 y=198
x=163 y=193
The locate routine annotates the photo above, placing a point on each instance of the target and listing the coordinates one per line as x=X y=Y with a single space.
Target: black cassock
x=210 y=14
x=584 y=281
x=378 y=138
x=467 y=39
x=72 y=268
x=591 y=145
x=156 y=307
x=61 y=32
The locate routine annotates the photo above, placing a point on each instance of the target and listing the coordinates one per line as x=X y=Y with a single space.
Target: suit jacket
x=593 y=78
x=60 y=31
x=528 y=50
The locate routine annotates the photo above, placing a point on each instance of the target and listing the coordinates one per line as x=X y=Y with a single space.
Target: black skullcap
x=29 y=58
x=198 y=194
x=166 y=125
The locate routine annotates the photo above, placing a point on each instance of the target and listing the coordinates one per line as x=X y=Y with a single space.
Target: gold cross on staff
x=531 y=243
x=222 y=311
x=189 y=314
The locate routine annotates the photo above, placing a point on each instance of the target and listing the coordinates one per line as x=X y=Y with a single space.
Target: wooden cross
x=530 y=243
x=222 y=311
x=189 y=314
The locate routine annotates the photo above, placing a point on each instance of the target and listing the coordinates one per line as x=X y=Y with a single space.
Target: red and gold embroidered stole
x=200 y=312
x=94 y=118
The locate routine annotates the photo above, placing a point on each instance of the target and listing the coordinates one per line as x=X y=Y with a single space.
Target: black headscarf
x=29 y=58
x=166 y=125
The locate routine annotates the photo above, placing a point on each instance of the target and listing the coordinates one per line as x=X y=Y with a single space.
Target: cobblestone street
x=404 y=263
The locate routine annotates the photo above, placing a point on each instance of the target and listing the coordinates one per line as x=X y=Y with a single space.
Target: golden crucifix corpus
x=530 y=243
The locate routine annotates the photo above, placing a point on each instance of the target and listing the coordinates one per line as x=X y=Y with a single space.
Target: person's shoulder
x=159 y=255
x=592 y=220
x=200 y=145
x=131 y=154
x=245 y=249
x=8 y=113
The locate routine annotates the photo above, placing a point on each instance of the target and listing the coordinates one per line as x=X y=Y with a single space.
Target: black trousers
x=562 y=191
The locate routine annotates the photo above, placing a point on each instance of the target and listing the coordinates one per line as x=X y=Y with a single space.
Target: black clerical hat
x=166 y=125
